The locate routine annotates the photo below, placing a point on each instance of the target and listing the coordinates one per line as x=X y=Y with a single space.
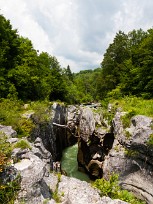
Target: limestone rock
x=94 y=142
x=131 y=156
x=8 y=131
x=12 y=140
x=74 y=191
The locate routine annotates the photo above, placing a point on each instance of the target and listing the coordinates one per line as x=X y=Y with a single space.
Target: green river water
x=70 y=165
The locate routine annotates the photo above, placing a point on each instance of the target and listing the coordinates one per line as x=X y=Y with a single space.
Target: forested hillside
x=26 y=74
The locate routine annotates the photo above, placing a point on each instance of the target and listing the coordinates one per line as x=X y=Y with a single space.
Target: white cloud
x=77 y=32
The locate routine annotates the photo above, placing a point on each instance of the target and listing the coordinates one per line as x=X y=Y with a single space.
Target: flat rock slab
x=74 y=191
x=23 y=164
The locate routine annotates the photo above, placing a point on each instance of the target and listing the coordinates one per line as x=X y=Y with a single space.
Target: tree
x=8 y=53
x=112 y=64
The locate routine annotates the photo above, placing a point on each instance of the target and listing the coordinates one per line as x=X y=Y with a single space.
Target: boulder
x=131 y=156
x=94 y=142
x=74 y=191
x=8 y=131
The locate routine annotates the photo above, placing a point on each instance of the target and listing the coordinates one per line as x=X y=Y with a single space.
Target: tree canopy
x=26 y=74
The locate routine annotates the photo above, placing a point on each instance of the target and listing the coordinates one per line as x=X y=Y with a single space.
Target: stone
x=12 y=140
x=33 y=187
x=8 y=131
x=94 y=142
x=75 y=191
x=28 y=114
x=131 y=157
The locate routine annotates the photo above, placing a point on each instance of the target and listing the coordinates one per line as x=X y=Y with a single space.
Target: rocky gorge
x=103 y=148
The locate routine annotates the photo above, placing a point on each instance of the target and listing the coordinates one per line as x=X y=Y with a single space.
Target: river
x=70 y=165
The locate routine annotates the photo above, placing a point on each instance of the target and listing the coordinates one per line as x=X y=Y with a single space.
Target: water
x=70 y=165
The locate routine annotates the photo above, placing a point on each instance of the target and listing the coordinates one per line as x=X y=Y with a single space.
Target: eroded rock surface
x=102 y=150
x=8 y=131
x=38 y=184
x=94 y=142
x=132 y=156
x=74 y=191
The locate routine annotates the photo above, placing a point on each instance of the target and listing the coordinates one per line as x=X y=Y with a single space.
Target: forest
x=28 y=75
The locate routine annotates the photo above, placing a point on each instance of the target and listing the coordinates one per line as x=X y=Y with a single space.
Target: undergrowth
x=55 y=194
x=23 y=144
x=12 y=111
x=139 y=106
x=112 y=189
x=8 y=191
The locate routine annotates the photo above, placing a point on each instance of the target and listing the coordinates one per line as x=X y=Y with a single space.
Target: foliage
x=150 y=142
x=23 y=144
x=112 y=189
x=55 y=194
x=25 y=127
x=9 y=191
x=26 y=74
x=131 y=153
x=127 y=65
x=11 y=114
x=127 y=134
x=5 y=151
x=135 y=105
x=126 y=119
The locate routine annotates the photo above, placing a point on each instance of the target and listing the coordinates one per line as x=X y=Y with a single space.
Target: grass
x=11 y=114
x=138 y=105
x=131 y=153
x=126 y=119
x=55 y=194
x=23 y=144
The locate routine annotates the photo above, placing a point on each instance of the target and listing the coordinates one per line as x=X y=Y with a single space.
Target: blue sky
x=77 y=32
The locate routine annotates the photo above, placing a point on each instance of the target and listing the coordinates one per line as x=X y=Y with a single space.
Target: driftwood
x=66 y=127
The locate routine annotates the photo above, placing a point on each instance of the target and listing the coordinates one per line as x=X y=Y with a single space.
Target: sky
x=76 y=32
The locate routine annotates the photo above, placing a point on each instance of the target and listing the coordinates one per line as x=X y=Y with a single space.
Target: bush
x=24 y=127
x=10 y=112
x=139 y=105
x=9 y=191
x=5 y=151
x=112 y=189
x=150 y=142
x=126 y=119
x=23 y=144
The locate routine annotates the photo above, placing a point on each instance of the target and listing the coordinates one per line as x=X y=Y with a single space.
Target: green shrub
x=126 y=119
x=139 y=105
x=150 y=142
x=23 y=144
x=115 y=93
x=10 y=112
x=131 y=153
x=112 y=189
x=108 y=188
x=56 y=196
x=42 y=110
x=9 y=191
x=127 y=134
x=24 y=127
x=5 y=151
